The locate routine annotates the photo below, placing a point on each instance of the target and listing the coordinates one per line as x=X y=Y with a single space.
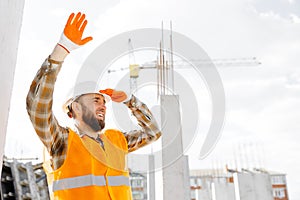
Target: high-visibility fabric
x=90 y=172
x=82 y=181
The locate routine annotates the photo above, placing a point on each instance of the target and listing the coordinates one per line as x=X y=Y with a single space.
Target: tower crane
x=165 y=67
x=134 y=68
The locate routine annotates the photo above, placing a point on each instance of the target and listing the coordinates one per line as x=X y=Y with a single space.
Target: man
x=88 y=162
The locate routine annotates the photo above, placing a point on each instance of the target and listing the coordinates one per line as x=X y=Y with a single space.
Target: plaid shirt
x=55 y=137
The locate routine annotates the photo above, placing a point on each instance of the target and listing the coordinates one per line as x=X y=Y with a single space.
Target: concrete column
x=11 y=12
x=151 y=177
x=252 y=186
x=223 y=191
x=176 y=183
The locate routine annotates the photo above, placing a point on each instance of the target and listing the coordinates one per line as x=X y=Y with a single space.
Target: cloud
x=277 y=8
x=295 y=18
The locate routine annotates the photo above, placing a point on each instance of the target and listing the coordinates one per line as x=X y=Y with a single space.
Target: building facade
x=220 y=184
x=279 y=186
x=138 y=184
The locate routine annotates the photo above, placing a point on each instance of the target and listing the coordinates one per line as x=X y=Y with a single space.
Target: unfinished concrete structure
x=11 y=12
x=175 y=165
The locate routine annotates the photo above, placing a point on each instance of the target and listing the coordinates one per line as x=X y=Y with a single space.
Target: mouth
x=100 y=115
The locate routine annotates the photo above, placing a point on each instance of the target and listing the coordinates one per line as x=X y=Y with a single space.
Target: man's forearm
x=39 y=101
x=150 y=131
x=59 y=53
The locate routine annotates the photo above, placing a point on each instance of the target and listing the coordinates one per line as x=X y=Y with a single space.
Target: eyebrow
x=98 y=98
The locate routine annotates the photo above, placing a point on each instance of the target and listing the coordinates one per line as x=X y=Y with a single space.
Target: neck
x=85 y=129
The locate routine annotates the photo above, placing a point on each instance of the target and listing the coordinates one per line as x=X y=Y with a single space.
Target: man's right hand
x=115 y=95
x=72 y=36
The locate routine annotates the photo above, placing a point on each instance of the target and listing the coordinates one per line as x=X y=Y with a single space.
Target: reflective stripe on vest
x=89 y=180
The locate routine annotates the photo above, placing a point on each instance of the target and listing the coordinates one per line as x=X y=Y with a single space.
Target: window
x=278 y=180
x=199 y=181
x=278 y=192
x=137 y=195
x=193 y=181
x=137 y=183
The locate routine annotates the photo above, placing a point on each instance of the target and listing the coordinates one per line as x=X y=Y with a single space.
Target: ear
x=76 y=108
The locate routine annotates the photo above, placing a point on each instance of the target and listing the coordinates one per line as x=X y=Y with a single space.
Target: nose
x=102 y=107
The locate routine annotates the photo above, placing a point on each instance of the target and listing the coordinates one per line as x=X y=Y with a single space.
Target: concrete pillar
x=151 y=176
x=223 y=191
x=176 y=184
x=252 y=186
x=11 y=12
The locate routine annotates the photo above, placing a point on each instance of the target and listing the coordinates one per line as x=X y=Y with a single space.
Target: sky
x=262 y=102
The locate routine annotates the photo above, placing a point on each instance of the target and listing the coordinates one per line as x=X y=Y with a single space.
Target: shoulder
x=115 y=135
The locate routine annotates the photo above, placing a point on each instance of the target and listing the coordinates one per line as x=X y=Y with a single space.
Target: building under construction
x=27 y=181
x=23 y=181
x=227 y=184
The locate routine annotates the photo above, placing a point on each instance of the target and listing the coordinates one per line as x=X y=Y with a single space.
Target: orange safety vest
x=89 y=172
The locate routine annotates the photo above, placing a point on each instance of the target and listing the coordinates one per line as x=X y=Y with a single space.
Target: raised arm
x=39 y=102
x=40 y=96
x=149 y=130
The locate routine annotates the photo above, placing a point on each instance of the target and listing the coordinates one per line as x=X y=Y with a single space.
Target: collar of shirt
x=97 y=139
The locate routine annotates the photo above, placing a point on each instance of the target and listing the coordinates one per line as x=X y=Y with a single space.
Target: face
x=93 y=110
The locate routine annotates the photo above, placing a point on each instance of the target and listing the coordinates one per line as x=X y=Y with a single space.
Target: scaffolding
x=23 y=181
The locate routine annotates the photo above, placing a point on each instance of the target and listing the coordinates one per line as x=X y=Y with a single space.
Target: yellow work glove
x=71 y=38
x=116 y=96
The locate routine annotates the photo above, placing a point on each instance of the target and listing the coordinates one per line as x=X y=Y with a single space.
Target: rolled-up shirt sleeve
x=149 y=130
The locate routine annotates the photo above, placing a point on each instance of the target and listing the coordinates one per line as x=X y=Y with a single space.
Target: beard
x=89 y=118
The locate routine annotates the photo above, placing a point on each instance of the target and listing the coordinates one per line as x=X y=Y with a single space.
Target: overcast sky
x=262 y=102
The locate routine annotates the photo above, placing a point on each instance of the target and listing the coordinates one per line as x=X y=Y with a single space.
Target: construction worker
x=87 y=162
